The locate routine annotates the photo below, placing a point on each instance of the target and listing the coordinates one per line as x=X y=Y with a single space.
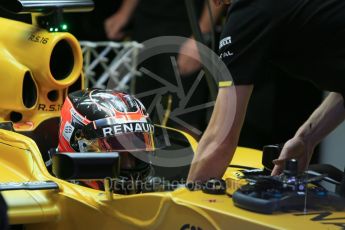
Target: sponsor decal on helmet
x=68 y=130
x=134 y=127
x=77 y=116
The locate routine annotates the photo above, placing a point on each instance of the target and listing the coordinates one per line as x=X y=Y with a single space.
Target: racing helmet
x=103 y=120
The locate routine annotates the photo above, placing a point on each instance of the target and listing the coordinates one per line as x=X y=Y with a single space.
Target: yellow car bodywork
x=29 y=54
x=76 y=207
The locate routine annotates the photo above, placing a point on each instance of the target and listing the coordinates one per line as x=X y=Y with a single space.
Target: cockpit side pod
x=37 y=70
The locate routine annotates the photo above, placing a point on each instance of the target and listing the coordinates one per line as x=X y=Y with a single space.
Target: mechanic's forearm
x=128 y=7
x=205 y=19
x=323 y=120
x=206 y=163
x=218 y=144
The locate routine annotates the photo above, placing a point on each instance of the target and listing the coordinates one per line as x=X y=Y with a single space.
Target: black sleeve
x=246 y=40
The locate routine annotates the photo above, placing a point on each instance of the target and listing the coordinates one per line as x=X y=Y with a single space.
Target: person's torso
x=306 y=37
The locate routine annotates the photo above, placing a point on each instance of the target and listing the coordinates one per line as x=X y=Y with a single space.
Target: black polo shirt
x=304 y=37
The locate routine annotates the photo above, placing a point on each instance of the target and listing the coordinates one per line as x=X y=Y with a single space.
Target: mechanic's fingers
x=108 y=26
x=278 y=168
x=114 y=33
x=278 y=161
x=113 y=28
x=118 y=36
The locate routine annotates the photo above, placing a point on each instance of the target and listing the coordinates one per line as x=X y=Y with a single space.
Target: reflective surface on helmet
x=130 y=142
x=107 y=100
x=97 y=104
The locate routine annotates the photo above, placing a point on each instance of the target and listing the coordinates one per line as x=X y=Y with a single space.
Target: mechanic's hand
x=113 y=26
x=220 y=2
x=295 y=148
x=188 y=64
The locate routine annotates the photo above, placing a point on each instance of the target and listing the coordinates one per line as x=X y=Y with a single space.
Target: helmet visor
x=130 y=142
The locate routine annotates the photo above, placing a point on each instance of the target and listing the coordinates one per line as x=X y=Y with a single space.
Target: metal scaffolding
x=110 y=64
